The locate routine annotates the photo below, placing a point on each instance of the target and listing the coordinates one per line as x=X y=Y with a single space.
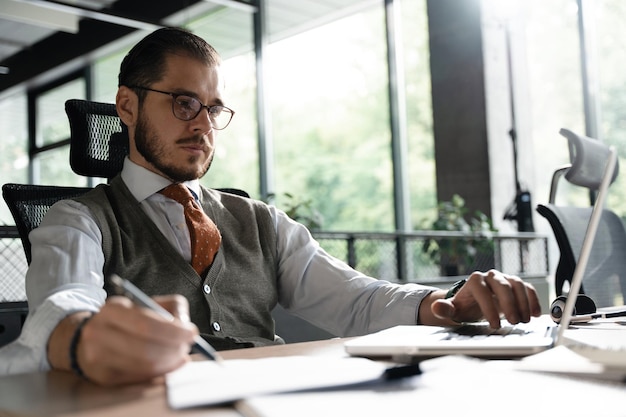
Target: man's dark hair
x=145 y=62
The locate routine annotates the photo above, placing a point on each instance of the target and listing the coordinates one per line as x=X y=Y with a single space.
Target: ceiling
x=38 y=37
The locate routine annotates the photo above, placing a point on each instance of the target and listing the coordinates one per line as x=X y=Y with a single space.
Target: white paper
x=452 y=386
x=602 y=342
x=561 y=360
x=211 y=383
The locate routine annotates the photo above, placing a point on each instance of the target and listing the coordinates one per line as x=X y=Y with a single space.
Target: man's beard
x=148 y=146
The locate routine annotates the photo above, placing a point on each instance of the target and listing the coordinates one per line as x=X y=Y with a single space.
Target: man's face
x=177 y=149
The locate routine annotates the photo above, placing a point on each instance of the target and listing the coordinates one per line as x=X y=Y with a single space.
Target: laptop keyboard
x=482 y=330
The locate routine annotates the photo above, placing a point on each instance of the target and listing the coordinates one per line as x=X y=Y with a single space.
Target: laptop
x=405 y=343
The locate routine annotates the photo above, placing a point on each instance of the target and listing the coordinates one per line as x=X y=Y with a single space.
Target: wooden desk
x=471 y=388
x=64 y=394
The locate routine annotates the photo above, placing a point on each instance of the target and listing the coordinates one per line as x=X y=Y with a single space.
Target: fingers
x=526 y=301
x=483 y=293
x=175 y=304
x=517 y=300
x=490 y=296
x=124 y=343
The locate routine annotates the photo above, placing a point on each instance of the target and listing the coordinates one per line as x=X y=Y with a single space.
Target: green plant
x=301 y=210
x=456 y=255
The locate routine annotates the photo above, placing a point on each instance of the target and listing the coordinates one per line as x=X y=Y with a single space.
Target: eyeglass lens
x=187 y=108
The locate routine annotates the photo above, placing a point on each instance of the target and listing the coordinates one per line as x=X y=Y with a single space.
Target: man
x=170 y=97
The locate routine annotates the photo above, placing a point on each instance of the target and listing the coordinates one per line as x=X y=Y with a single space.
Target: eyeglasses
x=187 y=108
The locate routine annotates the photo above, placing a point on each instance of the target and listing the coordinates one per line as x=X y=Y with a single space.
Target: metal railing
x=396 y=257
x=420 y=256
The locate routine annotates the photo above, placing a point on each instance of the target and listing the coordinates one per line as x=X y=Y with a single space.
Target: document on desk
x=210 y=383
x=452 y=386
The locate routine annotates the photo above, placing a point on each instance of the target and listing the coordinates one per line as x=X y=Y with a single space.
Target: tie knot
x=178 y=192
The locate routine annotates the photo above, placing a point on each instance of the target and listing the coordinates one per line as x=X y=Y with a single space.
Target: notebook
x=541 y=333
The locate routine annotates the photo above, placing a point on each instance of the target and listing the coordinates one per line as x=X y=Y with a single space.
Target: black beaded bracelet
x=74 y=347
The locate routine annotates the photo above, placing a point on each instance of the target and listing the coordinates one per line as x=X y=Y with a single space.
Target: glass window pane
x=330 y=115
x=610 y=55
x=421 y=157
x=52 y=123
x=13 y=146
x=555 y=88
x=53 y=168
x=236 y=160
x=105 y=72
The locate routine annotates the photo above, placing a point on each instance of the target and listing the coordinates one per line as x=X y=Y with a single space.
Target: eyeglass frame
x=202 y=105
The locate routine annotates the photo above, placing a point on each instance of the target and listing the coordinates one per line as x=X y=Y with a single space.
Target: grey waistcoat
x=232 y=303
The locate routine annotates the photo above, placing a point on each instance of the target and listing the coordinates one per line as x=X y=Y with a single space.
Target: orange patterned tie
x=205 y=238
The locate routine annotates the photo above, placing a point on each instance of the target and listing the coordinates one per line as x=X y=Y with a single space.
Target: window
x=13 y=146
x=556 y=86
x=236 y=160
x=420 y=140
x=607 y=32
x=105 y=72
x=330 y=115
x=52 y=165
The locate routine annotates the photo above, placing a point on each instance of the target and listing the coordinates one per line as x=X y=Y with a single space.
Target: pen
x=126 y=288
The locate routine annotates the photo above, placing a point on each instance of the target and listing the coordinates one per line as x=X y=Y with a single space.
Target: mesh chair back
x=605 y=276
x=30 y=203
x=99 y=140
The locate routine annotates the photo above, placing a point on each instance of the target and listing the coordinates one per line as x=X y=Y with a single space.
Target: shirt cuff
x=28 y=353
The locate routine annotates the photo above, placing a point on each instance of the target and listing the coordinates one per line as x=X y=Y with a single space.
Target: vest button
x=216 y=326
x=207 y=289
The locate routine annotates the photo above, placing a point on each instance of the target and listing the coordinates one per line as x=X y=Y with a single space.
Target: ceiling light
x=38 y=16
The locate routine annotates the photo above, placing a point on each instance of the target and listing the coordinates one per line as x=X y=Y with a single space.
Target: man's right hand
x=124 y=343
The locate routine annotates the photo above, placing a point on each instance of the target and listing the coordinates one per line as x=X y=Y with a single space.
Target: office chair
x=98 y=139
x=29 y=204
x=98 y=145
x=605 y=276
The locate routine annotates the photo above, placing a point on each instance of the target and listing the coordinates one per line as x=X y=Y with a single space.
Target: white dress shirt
x=65 y=275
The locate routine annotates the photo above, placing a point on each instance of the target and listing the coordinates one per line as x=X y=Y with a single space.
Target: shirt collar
x=143 y=183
